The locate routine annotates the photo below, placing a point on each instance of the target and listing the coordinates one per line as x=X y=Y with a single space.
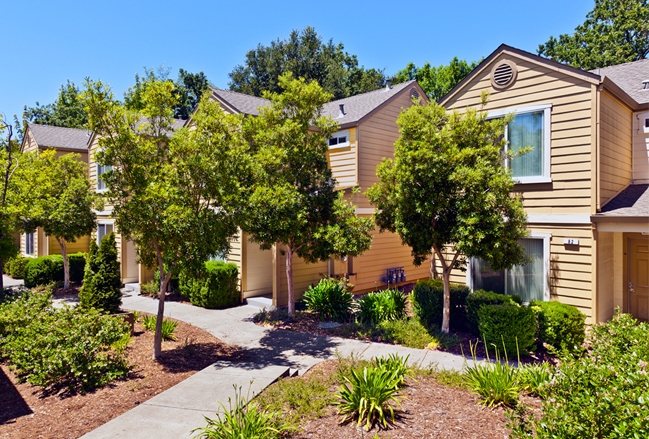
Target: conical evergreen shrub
x=102 y=282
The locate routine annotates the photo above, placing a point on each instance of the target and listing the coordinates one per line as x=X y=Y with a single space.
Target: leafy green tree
x=9 y=224
x=57 y=196
x=174 y=192
x=67 y=111
x=103 y=289
x=292 y=201
x=436 y=81
x=615 y=32
x=447 y=191
x=306 y=56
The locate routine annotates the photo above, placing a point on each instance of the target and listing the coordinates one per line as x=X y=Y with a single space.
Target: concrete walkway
x=177 y=411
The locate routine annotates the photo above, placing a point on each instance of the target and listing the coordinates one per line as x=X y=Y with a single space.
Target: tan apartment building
x=64 y=141
x=366 y=135
x=585 y=182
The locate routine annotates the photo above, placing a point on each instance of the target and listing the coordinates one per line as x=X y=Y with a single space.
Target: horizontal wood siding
x=81 y=245
x=640 y=148
x=304 y=275
x=92 y=170
x=376 y=140
x=236 y=254
x=571 y=134
x=605 y=276
x=386 y=252
x=30 y=144
x=258 y=270
x=342 y=162
x=615 y=146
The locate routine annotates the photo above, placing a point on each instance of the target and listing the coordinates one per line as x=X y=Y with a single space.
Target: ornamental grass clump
x=370 y=395
x=495 y=382
x=168 y=326
x=381 y=306
x=330 y=299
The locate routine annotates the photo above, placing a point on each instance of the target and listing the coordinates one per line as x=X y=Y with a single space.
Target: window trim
x=546 y=237
x=547 y=136
x=340 y=145
x=104 y=223
x=97 y=166
x=33 y=252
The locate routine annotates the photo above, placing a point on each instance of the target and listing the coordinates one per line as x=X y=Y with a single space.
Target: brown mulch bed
x=28 y=412
x=429 y=410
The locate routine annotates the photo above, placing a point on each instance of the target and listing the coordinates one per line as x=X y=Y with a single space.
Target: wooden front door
x=639 y=278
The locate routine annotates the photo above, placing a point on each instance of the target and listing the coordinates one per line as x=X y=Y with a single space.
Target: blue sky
x=46 y=42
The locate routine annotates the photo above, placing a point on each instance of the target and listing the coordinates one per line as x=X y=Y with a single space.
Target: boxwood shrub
x=561 y=326
x=47 y=269
x=478 y=299
x=508 y=328
x=216 y=287
x=428 y=303
x=17 y=266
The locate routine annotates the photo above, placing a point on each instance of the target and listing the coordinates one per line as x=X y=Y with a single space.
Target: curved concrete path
x=177 y=411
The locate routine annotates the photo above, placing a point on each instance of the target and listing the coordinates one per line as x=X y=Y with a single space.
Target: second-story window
x=29 y=243
x=339 y=140
x=103 y=229
x=101 y=185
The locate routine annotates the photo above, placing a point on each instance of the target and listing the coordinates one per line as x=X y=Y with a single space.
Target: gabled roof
x=355 y=107
x=629 y=77
x=239 y=102
x=631 y=202
x=59 y=137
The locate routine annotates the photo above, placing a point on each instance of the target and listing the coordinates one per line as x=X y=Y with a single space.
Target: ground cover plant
x=168 y=326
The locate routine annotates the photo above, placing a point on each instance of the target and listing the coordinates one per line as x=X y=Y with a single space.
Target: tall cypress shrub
x=102 y=281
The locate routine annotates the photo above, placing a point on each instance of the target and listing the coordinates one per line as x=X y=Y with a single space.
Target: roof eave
x=615 y=90
x=369 y=114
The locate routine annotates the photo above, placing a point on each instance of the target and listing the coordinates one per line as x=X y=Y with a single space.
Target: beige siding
x=258 y=270
x=571 y=132
x=343 y=163
x=29 y=143
x=235 y=254
x=80 y=245
x=605 y=275
x=615 y=146
x=640 y=148
x=304 y=275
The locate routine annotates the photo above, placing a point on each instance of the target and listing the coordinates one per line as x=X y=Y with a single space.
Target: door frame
x=627 y=272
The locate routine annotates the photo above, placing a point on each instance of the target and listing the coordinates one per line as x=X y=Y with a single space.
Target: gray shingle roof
x=240 y=102
x=355 y=107
x=629 y=77
x=632 y=201
x=59 y=137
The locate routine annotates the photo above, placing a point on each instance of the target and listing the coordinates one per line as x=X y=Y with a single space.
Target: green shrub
x=174 y=282
x=6 y=266
x=102 y=283
x=17 y=267
x=398 y=365
x=561 y=326
x=369 y=395
x=509 y=327
x=602 y=392
x=150 y=288
x=168 y=326
x=330 y=299
x=534 y=378
x=381 y=306
x=77 y=263
x=47 y=269
x=428 y=303
x=216 y=287
x=71 y=347
x=477 y=299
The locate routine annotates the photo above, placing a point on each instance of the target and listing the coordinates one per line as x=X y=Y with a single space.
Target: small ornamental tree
x=174 y=191
x=58 y=197
x=447 y=191
x=103 y=291
x=292 y=201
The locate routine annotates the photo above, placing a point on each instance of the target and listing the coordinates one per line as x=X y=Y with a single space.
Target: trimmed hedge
x=16 y=267
x=46 y=269
x=509 y=328
x=478 y=299
x=428 y=303
x=561 y=326
x=216 y=287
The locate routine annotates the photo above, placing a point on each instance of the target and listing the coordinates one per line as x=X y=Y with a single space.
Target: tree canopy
x=174 y=192
x=615 y=32
x=67 y=111
x=292 y=201
x=447 y=191
x=436 y=81
x=56 y=195
x=305 y=55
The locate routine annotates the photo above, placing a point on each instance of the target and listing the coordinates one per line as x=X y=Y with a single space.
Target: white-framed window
x=103 y=229
x=102 y=169
x=339 y=140
x=529 y=128
x=29 y=244
x=529 y=281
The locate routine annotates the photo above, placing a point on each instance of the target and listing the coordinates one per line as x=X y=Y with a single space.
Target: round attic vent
x=503 y=74
x=414 y=93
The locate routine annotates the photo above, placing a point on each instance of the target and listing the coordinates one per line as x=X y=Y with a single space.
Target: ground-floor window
x=103 y=230
x=529 y=281
x=29 y=243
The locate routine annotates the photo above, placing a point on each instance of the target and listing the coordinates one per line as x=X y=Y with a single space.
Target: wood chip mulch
x=27 y=412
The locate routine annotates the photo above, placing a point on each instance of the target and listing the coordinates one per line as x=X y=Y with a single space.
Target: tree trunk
x=446 y=314
x=433 y=265
x=66 y=263
x=289 y=281
x=157 y=340
x=2 y=272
